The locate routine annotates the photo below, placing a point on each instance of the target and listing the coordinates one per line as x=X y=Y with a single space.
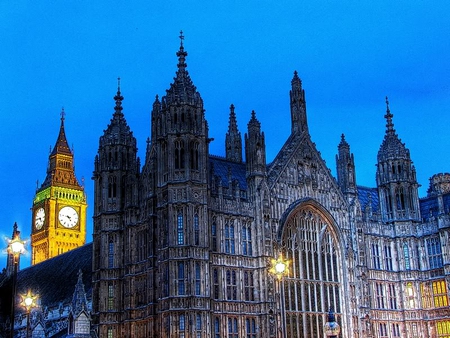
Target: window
x=181 y=283
x=246 y=240
x=395 y=330
x=388 y=257
x=434 y=294
x=216 y=328
x=232 y=328
x=407 y=257
x=392 y=297
x=379 y=295
x=194 y=156
x=434 y=252
x=231 y=285
x=110 y=254
x=214 y=236
x=198 y=325
x=409 y=296
x=376 y=256
x=196 y=230
x=180 y=229
x=443 y=329
x=179 y=154
x=250 y=326
x=181 y=326
x=110 y=297
x=383 y=330
x=249 y=288
x=215 y=284
x=197 y=279
x=110 y=332
x=229 y=238
x=112 y=187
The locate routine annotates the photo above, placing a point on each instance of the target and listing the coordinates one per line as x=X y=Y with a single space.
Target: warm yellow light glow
x=16 y=246
x=28 y=300
x=279 y=267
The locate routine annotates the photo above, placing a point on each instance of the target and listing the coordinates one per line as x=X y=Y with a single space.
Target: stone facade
x=182 y=246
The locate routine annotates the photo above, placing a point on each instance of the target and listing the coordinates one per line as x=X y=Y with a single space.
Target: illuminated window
x=443 y=329
x=434 y=294
x=110 y=297
x=110 y=332
x=409 y=296
x=407 y=257
x=180 y=229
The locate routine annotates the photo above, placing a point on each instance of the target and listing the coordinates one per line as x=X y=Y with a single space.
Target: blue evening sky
x=349 y=54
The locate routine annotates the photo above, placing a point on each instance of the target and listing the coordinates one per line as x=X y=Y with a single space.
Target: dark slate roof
x=366 y=194
x=429 y=206
x=54 y=280
x=221 y=167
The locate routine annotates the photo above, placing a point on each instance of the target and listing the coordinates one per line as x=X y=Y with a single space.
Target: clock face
x=39 y=218
x=68 y=217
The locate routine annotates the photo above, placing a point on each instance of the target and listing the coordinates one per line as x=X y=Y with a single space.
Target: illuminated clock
x=68 y=217
x=39 y=218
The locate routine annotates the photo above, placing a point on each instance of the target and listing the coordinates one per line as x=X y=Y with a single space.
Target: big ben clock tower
x=59 y=206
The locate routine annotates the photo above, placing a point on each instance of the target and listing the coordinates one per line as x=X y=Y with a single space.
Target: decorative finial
x=118 y=84
x=387 y=105
x=63 y=115
x=118 y=98
x=181 y=38
x=389 y=124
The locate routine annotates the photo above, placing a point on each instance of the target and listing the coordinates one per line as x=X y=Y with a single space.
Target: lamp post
x=16 y=247
x=28 y=302
x=280 y=268
x=331 y=328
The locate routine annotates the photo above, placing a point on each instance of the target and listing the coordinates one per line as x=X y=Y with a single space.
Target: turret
x=345 y=164
x=233 y=139
x=255 y=153
x=299 y=122
x=396 y=177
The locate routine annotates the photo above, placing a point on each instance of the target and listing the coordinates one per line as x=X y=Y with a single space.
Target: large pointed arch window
x=313 y=285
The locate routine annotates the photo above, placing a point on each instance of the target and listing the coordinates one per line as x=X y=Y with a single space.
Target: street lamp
x=28 y=302
x=16 y=247
x=332 y=329
x=280 y=268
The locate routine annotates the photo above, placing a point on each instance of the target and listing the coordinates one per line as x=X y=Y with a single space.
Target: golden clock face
x=39 y=218
x=68 y=217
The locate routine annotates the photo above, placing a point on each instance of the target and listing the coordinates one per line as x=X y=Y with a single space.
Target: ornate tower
x=345 y=164
x=181 y=143
x=396 y=177
x=299 y=122
x=233 y=140
x=59 y=206
x=116 y=171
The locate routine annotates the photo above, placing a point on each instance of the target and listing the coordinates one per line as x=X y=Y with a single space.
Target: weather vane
x=181 y=38
x=63 y=114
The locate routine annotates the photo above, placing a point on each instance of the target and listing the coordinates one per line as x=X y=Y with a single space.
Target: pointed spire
x=343 y=142
x=232 y=125
x=181 y=54
x=79 y=301
x=118 y=98
x=233 y=140
x=389 y=124
x=61 y=146
x=296 y=83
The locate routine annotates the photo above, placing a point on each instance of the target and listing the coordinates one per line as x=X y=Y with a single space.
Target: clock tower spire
x=59 y=205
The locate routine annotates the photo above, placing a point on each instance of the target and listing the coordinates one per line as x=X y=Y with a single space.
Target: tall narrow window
x=112 y=187
x=110 y=297
x=231 y=285
x=376 y=256
x=229 y=238
x=407 y=257
x=194 y=156
x=198 y=325
x=214 y=236
x=392 y=297
x=196 y=230
x=216 y=328
x=434 y=252
x=250 y=327
x=249 y=289
x=440 y=298
x=182 y=326
x=232 y=328
x=216 y=284
x=180 y=229
x=179 y=154
x=110 y=332
x=383 y=330
x=110 y=254
x=380 y=295
x=181 y=283
x=197 y=279
x=395 y=330
x=388 y=257
x=246 y=240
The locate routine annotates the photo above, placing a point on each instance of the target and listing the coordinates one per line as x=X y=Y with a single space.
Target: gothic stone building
x=182 y=246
